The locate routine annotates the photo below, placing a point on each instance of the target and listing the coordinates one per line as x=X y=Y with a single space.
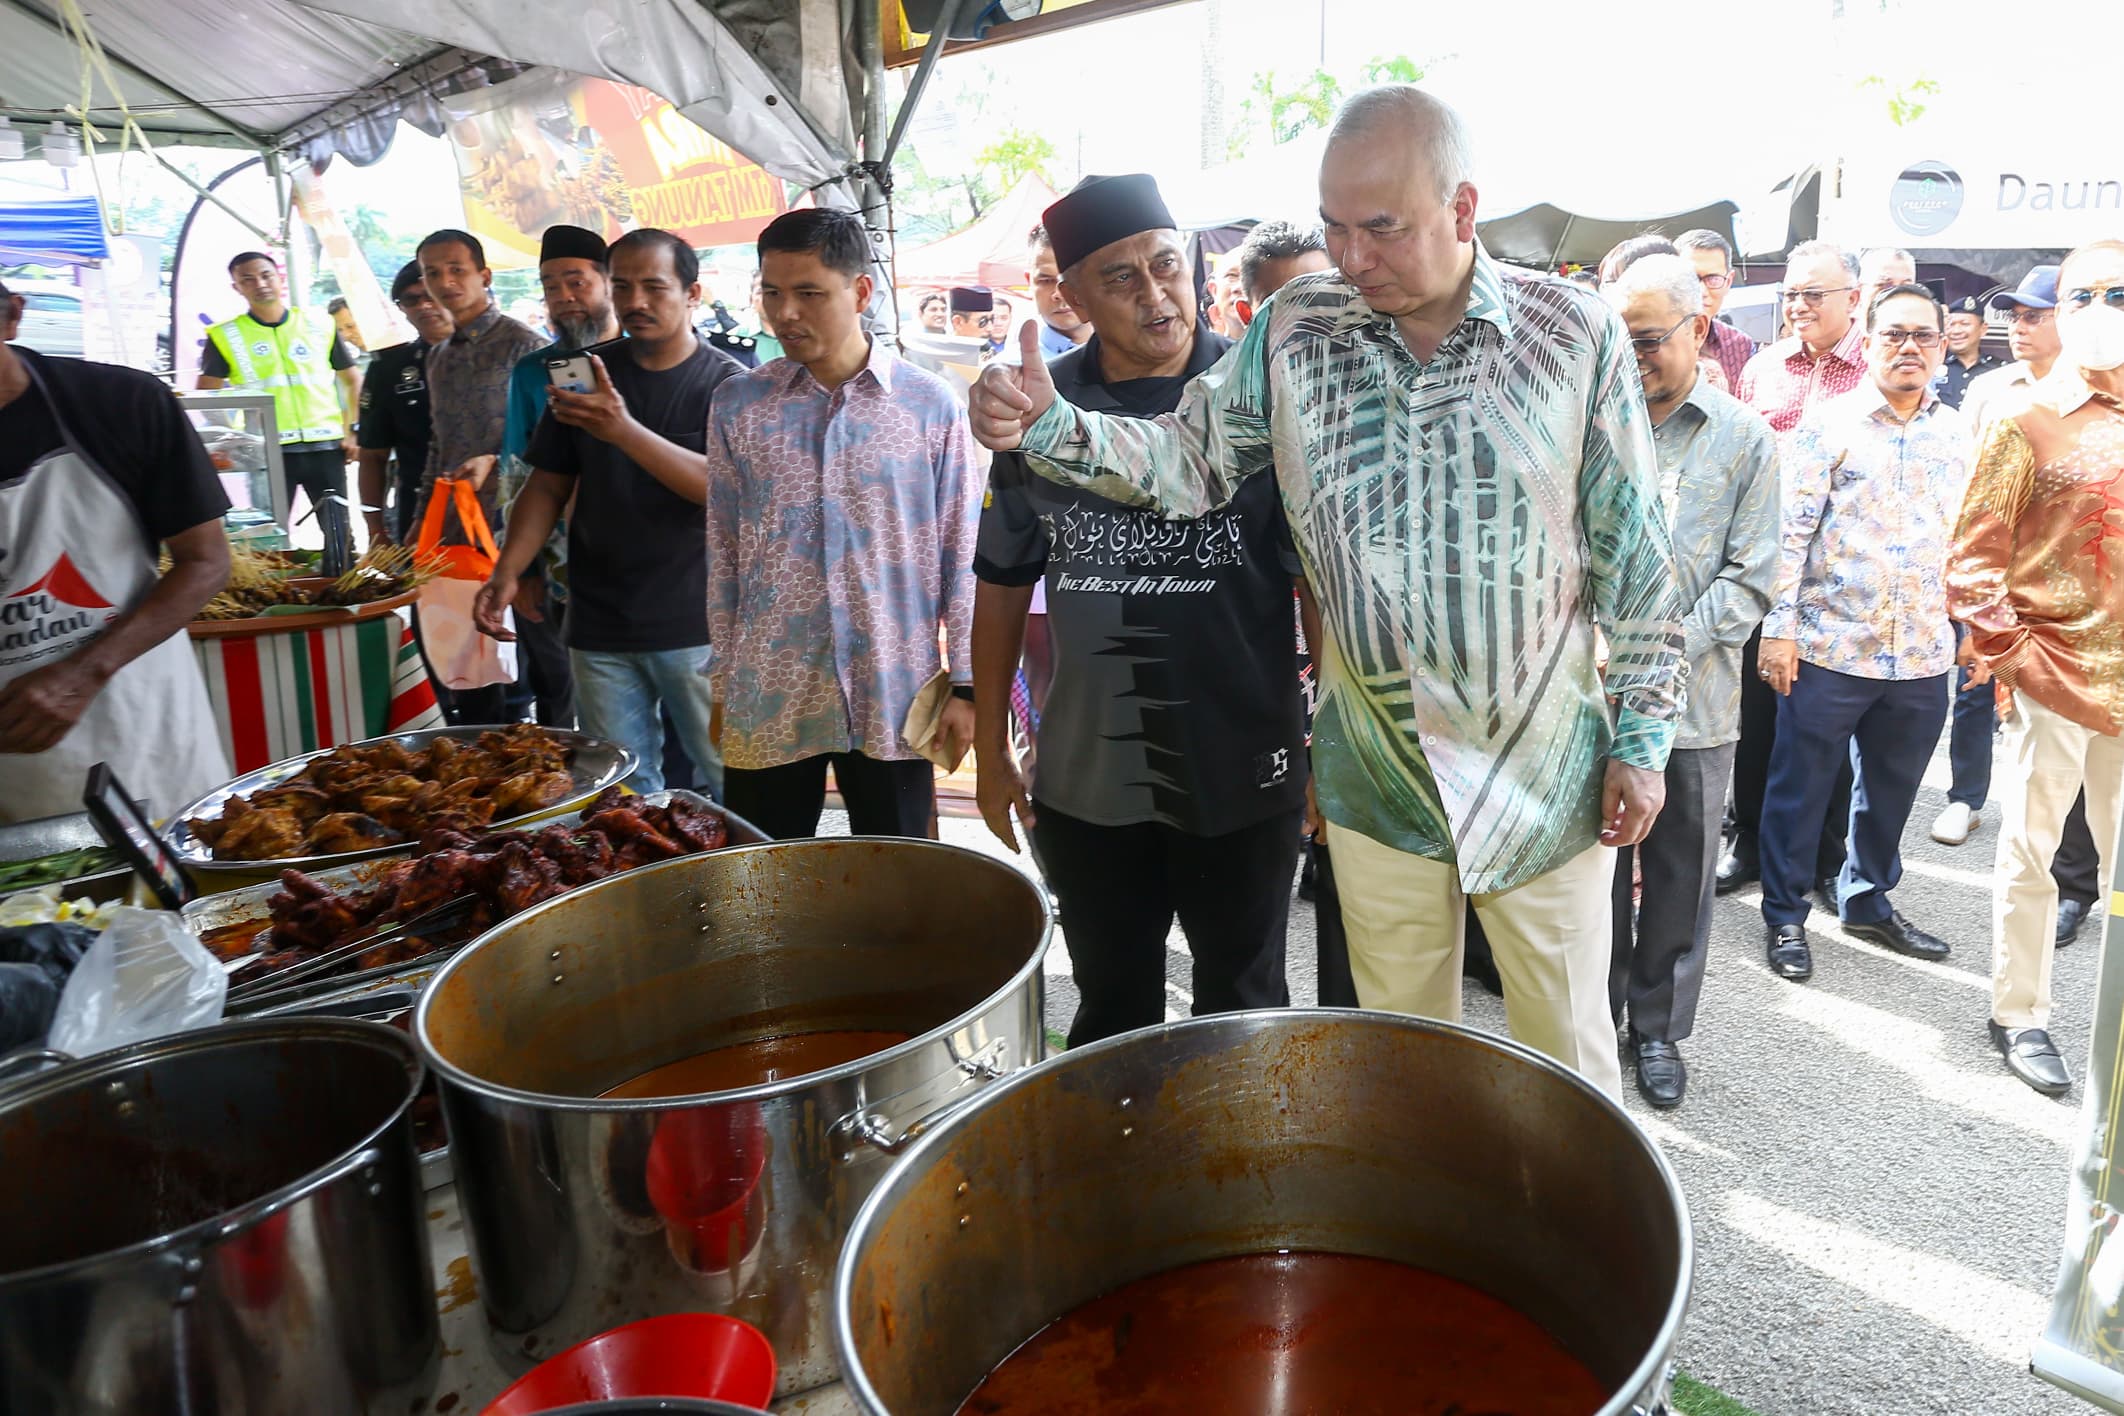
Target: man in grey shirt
x=1718 y=479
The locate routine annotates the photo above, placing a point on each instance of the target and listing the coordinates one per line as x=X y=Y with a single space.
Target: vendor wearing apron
x=98 y=470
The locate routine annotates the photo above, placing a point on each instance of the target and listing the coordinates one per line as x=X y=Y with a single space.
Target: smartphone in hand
x=573 y=372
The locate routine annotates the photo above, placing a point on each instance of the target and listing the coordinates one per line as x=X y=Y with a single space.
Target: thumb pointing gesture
x=1005 y=401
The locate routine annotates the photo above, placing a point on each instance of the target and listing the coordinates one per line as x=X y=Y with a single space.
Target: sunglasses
x=2110 y=295
x=1646 y=344
x=1813 y=298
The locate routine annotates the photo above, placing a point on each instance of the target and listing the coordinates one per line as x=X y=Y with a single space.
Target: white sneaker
x=1952 y=826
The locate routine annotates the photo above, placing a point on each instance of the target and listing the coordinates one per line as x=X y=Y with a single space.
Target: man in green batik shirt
x=1468 y=469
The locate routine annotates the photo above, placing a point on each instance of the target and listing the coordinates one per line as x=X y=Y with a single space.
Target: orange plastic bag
x=461 y=656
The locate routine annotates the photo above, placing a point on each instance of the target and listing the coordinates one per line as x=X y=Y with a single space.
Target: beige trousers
x=1552 y=938
x=2042 y=762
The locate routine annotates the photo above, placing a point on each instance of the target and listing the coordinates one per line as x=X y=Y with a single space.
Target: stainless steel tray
x=249 y=904
x=49 y=835
x=597 y=764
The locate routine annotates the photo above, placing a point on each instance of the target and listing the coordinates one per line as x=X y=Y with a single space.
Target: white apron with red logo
x=72 y=559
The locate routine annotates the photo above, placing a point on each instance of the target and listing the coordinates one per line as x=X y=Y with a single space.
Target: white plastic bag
x=144 y=977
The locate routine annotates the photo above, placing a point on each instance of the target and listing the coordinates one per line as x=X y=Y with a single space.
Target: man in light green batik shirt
x=1468 y=469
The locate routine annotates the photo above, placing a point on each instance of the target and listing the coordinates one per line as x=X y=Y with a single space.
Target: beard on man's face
x=580 y=332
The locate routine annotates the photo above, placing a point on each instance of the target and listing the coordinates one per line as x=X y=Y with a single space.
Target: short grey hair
x=1814 y=250
x=1887 y=253
x=1671 y=277
x=1273 y=241
x=1414 y=113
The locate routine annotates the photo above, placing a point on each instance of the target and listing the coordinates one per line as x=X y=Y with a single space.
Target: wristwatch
x=963 y=690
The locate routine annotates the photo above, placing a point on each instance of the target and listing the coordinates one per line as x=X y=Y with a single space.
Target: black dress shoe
x=2071 y=915
x=1901 y=935
x=1825 y=891
x=1789 y=953
x=1661 y=1075
x=2031 y=1056
x=1738 y=866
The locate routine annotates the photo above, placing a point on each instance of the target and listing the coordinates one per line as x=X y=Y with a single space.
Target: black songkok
x=563 y=243
x=1102 y=210
x=971 y=299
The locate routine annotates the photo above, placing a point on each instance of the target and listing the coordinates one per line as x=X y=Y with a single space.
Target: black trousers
x=2077 y=867
x=1656 y=972
x=316 y=472
x=545 y=685
x=1337 y=988
x=884 y=798
x=1119 y=888
x=1751 y=772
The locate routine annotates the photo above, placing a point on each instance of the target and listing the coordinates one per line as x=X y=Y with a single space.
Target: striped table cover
x=281 y=695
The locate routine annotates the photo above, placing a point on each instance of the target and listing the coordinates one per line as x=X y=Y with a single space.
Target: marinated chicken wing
x=527 y=792
x=345 y=831
x=260 y=834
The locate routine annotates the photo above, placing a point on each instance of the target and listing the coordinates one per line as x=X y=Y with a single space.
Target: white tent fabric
x=206 y=74
x=771 y=79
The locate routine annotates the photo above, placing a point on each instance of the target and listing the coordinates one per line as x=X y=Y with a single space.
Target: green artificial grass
x=1693 y=1398
x=1056 y=1042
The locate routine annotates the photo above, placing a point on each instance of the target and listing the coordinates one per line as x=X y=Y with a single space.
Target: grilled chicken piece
x=530 y=791
x=344 y=831
x=260 y=834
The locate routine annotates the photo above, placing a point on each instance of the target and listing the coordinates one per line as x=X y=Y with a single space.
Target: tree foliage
x=1278 y=108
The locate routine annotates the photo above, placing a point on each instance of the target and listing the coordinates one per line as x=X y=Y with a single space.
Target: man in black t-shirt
x=394 y=412
x=1171 y=767
x=631 y=454
x=99 y=471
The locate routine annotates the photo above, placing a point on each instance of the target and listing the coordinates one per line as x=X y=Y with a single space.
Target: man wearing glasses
x=1822 y=358
x=1712 y=255
x=1718 y=473
x=1857 y=639
x=394 y=412
x=2030 y=575
x=972 y=310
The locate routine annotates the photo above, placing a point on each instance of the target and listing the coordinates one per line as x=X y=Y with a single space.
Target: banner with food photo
x=548 y=148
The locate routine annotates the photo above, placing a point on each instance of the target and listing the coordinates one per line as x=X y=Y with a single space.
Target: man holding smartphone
x=574 y=276
x=629 y=452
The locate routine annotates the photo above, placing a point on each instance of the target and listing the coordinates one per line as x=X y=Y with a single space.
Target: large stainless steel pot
x=583 y=1213
x=1362 y=1133
x=223 y=1221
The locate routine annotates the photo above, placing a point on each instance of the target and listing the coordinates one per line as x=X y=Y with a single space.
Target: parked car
x=51 y=317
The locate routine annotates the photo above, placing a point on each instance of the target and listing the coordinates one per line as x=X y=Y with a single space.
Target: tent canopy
x=60 y=231
x=989 y=251
x=270 y=76
x=1527 y=215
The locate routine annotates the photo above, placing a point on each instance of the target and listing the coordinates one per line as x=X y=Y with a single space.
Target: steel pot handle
x=340 y=1170
x=28 y=1059
x=877 y=1124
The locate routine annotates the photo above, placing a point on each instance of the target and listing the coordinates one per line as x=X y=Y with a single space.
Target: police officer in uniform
x=394 y=412
x=1965 y=351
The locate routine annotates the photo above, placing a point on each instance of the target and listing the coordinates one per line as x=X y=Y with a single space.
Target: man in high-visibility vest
x=297 y=356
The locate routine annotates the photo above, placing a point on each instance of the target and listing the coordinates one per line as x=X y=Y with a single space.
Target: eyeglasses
x=1715 y=282
x=1894 y=338
x=1813 y=298
x=1646 y=344
x=2032 y=319
x=2110 y=295
x=414 y=302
